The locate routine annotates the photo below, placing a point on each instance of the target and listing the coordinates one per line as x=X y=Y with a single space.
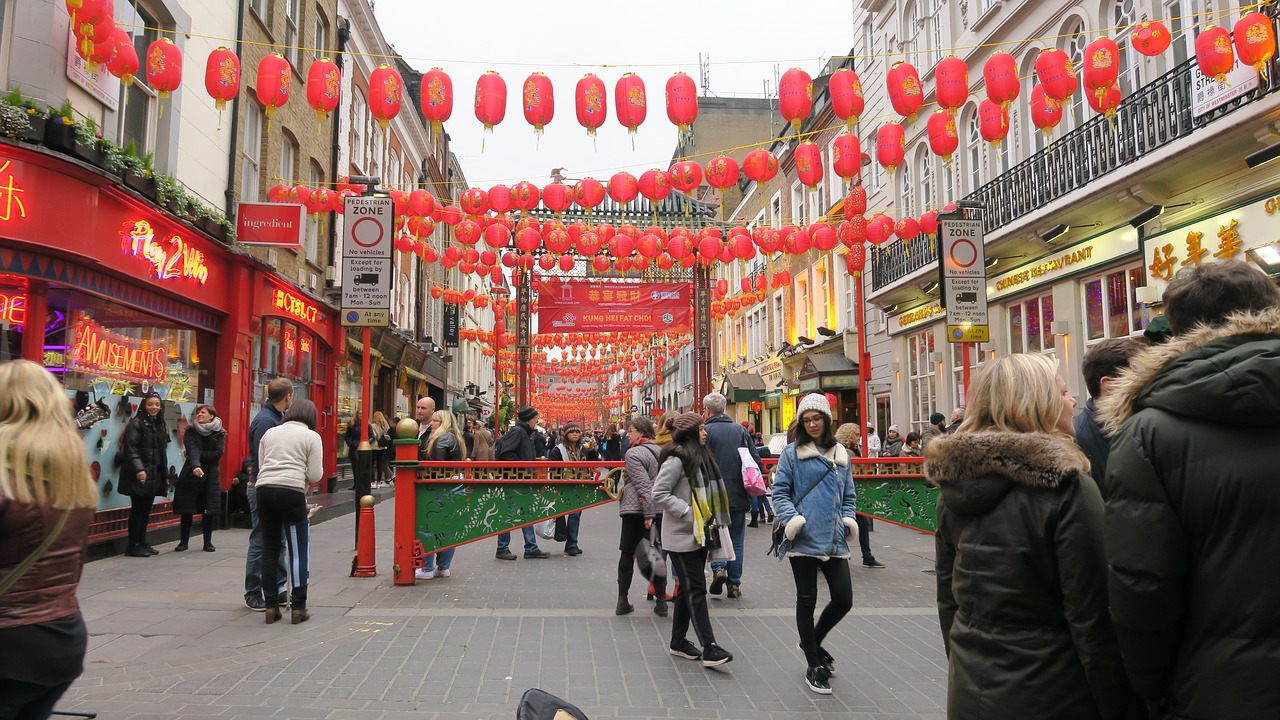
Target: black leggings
x=207 y=521
x=633 y=531
x=691 y=601
x=139 y=516
x=805 y=572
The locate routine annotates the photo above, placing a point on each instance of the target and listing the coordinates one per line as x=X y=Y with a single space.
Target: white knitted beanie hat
x=814 y=401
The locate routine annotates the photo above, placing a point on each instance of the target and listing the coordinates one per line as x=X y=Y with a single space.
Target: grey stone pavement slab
x=171 y=638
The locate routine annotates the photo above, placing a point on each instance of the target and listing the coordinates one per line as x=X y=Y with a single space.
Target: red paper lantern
x=421 y=203
x=808 y=159
x=654 y=185
x=855 y=203
x=878 y=229
x=929 y=223
x=589 y=101
x=890 y=145
x=682 y=101
x=124 y=63
x=722 y=172
x=539 y=101
x=1056 y=74
x=824 y=236
x=993 y=121
x=221 y=76
x=164 y=67
x=908 y=228
x=497 y=237
x=437 y=98
x=1101 y=66
x=1214 y=53
x=760 y=165
x=943 y=137
x=905 y=92
x=558 y=197
x=1150 y=38
x=1255 y=41
x=279 y=194
x=685 y=176
x=952 y=79
x=324 y=87
x=474 y=201
x=525 y=196
x=845 y=90
x=630 y=102
x=795 y=97
x=386 y=91
x=275 y=80
x=846 y=156
x=451 y=215
x=1046 y=112
x=856 y=259
x=588 y=193
x=491 y=99
x=1001 y=75
x=831 y=400
x=500 y=198
x=467 y=232
x=623 y=187
x=1106 y=101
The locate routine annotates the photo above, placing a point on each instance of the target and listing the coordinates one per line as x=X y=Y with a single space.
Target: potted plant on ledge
x=136 y=171
x=34 y=132
x=59 y=133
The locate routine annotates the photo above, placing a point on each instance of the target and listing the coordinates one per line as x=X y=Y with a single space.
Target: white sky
x=652 y=38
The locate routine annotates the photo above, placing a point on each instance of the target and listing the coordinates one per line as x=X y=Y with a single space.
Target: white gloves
x=793 y=527
x=852 y=526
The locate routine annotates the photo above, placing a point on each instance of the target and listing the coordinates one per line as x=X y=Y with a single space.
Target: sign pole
x=702 y=334
x=964 y=358
x=864 y=365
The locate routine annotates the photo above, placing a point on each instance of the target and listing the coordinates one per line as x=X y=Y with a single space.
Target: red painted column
x=37 y=304
x=233 y=381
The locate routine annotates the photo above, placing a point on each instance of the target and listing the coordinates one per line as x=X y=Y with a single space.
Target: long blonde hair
x=447 y=425
x=380 y=421
x=42 y=458
x=1015 y=393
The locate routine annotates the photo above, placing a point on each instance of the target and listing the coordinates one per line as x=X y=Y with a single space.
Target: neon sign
x=13 y=309
x=294 y=306
x=9 y=200
x=99 y=350
x=172 y=258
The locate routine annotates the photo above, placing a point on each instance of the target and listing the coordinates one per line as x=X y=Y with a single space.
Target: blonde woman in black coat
x=198 y=489
x=144 y=469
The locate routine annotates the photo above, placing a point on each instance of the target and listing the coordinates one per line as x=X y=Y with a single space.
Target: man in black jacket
x=1193 y=500
x=1102 y=364
x=516 y=445
x=724 y=437
x=279 y=398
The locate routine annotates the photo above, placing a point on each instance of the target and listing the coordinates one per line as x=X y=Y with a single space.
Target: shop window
x=1111 y=306
x=251 y=154
x=137 y=102
x=271 y=330
x=1031 y=325
x=289 y=341
x=977 y=356
x=13 y=318
x=922 y=378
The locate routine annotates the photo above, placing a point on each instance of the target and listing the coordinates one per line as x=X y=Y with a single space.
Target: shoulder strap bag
x=779 y=528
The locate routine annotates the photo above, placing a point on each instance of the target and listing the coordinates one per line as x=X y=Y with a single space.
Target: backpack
x=509 y=443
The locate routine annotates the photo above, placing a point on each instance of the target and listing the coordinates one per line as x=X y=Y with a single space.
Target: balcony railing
x=1157 y=114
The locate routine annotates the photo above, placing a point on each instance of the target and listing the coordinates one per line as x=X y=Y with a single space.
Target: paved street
x=171 y=638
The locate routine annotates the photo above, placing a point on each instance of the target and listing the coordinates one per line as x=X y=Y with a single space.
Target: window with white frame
x=779 y=320
x=988 y=4
x=1035 y=138
x=818 y=203
x=974 y=153
x=288 y=160
x=1124 y=14
x=977 y=356
x=833 y=181
x=1182 y=26
x=1074 y=44
x=924 y=168
x=922 y=378
x=798 y=193
x=775 y=211
x=292 y=21
x=262 y=8
x=804 y=312
x=359 y=110
x=906 y=192
x=868 y=47
x=1031 y=324
x=314 y=223
x=251 y=154
x=822 y=293
x=911 y=34
x=320 y=35
x=138 y=114
x=947 y=174
x=724 y=354
x=873 y=173
x=933 y=25
x=1111 y=307
x=850 y=300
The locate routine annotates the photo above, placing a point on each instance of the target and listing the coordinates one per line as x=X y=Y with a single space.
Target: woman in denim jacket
x=814 y=498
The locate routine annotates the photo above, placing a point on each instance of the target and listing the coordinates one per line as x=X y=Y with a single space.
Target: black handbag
x=780 y=528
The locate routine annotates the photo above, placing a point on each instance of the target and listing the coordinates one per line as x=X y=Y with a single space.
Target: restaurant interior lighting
x=1263 y=156
x=1055 y=232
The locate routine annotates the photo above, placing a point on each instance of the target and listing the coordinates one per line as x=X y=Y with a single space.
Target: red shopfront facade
x=117 y=298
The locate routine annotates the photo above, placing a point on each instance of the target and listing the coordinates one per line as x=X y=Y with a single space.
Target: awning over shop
x=827 y=371
x=743 y=387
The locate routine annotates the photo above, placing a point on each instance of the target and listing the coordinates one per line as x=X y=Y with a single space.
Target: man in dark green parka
x=1192 y=523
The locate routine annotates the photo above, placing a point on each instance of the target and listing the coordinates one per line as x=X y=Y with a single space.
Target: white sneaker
x=312 y=509
x=442 y=572
x=424 y=574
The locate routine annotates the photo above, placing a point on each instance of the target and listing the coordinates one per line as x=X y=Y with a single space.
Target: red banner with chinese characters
x=612 y=306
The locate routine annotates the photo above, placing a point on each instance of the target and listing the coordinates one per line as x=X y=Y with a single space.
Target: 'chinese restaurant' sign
x=1226 y=236
x=1083 y=255
x=170 y=259
x=602 y=306
x=100 y=351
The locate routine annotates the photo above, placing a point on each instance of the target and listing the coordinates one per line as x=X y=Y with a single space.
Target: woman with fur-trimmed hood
x=1022 y=577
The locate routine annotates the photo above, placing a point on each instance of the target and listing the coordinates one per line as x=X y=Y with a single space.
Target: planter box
x=91 y=155
x=213 y=229
x=36 y=133
x=60 y=137
x=144 y=185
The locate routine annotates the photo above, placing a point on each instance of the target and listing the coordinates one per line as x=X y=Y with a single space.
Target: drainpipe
x=344 y=34
x=230 y=194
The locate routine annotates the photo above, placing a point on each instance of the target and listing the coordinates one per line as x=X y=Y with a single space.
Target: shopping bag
x=723 y=550
x=752 y=477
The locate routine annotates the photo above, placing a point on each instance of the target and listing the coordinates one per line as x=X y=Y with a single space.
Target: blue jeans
x=760 y=506
x=253 y=560
x=445 y=558
x=737 y=531
x=574 y=521
x=530 y=540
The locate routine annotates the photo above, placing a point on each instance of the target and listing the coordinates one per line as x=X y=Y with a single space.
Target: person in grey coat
x=692 y=498
x=724 y=437
x=635 y=506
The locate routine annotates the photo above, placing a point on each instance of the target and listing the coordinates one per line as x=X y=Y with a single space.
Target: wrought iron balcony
x=1159 y=113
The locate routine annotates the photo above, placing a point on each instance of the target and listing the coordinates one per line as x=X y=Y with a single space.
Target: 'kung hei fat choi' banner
x=602 y=306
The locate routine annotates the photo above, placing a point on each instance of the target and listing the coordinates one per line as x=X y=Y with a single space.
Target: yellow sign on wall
x=969 y=333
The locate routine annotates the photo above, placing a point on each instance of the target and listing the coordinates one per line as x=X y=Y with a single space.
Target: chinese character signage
x=612 y=306
x=1224 y=237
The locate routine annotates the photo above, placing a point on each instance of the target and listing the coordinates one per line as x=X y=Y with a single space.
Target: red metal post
x=406 y=503
x=366 y=385
x=366 y=551
x=37 y=308
x=864 y=359
x=964 y=359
